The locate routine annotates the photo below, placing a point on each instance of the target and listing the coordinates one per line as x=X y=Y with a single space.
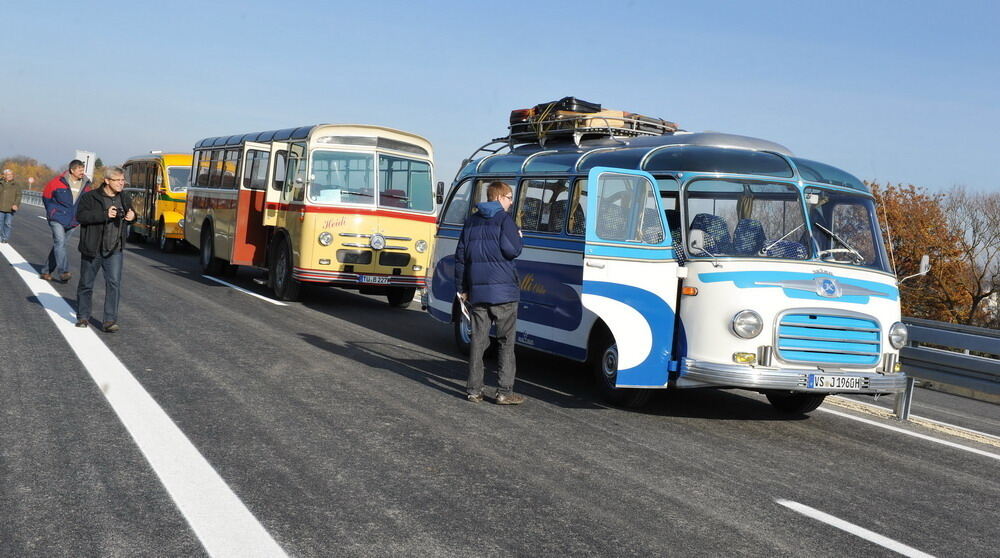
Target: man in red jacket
x=60 y=210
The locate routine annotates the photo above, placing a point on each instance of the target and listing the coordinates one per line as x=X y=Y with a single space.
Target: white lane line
x=242 y=290
x=914 y=434
x=43 y=217
x=855 y=530
x=925 y=419
x=218 y=518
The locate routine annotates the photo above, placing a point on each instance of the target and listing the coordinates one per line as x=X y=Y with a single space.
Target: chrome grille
x=829 y=339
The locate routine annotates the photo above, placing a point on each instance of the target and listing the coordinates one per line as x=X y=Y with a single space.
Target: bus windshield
x=405 y=183
x=844 y=228
x=748 y=219
x=340 y=177
x=180 y=178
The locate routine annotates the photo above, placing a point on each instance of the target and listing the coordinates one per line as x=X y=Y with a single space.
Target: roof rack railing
x=539 y=131
x=505 y=143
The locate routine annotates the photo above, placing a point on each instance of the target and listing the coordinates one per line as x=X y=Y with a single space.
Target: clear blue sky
x=890 y=91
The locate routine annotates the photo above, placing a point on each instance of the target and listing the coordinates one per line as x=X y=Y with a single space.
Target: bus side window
x=458 y=207
x=295 y=177
x=279 y=170
x=215 y=178
x=542 y=206
x=230 y=169
x=482 y=185
x=203 y=165
x=577 y=218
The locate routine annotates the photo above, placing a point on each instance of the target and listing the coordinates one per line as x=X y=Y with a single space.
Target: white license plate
x=819 y=381
x=374 y=279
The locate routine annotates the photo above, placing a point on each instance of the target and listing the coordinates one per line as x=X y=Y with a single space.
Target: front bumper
x=785 y=379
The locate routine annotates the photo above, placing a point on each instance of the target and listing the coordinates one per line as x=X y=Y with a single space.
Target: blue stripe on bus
x=630 y=252
x=749 y=280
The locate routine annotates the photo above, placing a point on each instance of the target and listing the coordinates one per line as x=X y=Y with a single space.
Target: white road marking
x=43 y=217
x=242 y=290
x=914 y=434
x=912 y=416
x=853 y=529
x=218 y=518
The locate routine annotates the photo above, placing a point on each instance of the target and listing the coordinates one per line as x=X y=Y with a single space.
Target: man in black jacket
x=486 y=278
x=103 y=214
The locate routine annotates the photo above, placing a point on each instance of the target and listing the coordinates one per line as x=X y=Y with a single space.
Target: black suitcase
x=568 y=103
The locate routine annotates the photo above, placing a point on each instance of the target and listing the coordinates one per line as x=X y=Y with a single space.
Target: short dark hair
x=76 y=163
x=496 y=189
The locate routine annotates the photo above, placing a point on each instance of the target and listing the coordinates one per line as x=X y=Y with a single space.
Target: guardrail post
x=903 y=400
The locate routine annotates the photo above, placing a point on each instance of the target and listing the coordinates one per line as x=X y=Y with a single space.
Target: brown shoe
x=475 y=397
x=45 y=276
x=66 y=277
x=82 y=323
x=110 y=327
x=509 y=399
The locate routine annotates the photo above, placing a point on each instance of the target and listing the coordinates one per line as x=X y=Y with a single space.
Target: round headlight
x=747 y=324
x=325 y=238
x=421 y=246
x=180 y=224
x=898 y=334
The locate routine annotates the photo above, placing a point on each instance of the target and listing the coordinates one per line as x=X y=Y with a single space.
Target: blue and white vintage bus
x=690 y=260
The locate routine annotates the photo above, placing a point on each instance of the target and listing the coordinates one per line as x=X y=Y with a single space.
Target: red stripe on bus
x=351 y=211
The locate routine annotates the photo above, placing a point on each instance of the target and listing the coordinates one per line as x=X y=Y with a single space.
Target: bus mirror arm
x=925 y=266
x=696 y=245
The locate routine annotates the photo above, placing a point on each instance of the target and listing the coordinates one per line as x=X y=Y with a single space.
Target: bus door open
x=250 y=237
x=630 y=273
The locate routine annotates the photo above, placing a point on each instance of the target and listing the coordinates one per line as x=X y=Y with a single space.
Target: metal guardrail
x=31 y=197
x=969 y=373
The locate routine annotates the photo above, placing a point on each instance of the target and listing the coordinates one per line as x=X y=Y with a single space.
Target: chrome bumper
x=757 y=377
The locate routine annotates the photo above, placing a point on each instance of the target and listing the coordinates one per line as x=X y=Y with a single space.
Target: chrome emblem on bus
x=377 y=241
x=827 y=287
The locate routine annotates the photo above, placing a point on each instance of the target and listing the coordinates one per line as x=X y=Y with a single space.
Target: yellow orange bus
x=341 y=204
x=158 y=184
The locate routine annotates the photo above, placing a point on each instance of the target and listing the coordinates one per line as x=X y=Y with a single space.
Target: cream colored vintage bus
x=346 y=205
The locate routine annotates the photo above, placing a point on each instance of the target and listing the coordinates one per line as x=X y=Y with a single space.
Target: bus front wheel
x=794 y=403
x=400 y=297
x=604 y=364
x=285 y=286
x=463 y=334
x=210 y=265
x=165 y=244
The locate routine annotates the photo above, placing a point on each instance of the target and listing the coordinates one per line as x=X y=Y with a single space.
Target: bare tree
x=976 y=216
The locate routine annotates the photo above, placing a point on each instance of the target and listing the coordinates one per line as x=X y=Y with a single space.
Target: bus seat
x=786 y=249
x=748 y=238
x=579 y=225
x=652 y=226
x=393 y=198
x=557 y=215
x=717 y=239
x=531 y=214
x=611 y=225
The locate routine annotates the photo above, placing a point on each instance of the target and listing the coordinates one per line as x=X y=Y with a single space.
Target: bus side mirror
x=696 y=242
x=439 y=193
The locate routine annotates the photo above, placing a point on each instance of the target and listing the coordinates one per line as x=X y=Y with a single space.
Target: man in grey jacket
x=10 y=200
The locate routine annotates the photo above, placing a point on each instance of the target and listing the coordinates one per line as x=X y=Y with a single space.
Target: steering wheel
x=855 y=257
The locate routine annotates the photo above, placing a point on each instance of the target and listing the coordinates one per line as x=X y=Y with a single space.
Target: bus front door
x=275 y=182
x=630 y=274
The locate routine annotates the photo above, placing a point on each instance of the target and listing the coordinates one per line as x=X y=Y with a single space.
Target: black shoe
x=82 y=323
x=509 y=399
x=475 y=397
x=110 y=327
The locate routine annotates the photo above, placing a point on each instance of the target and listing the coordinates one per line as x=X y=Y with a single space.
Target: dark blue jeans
x=6 y=220
x=112 y=267
x=58 y=261
x=483 y=316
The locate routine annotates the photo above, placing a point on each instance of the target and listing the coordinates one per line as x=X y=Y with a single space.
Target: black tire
x=166 y=245
x=795 y=403
x=210 y=265
x=463 y=334
x=604 y=365
x=400 y=297
x=284 y=285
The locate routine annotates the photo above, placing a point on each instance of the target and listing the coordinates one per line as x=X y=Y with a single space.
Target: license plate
x=373 y=279
x=819 y=381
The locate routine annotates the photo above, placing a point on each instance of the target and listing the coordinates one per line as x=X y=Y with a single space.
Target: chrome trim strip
x=830 y=339
x=355 y=245
x=826 y=351
x=836 y=328
x=403 y=238
x=356 y=235
x=735 y=375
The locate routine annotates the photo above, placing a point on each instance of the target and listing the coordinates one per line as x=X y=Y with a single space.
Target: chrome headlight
x=325 y=238
x=747 y=324
x=421 y=246
x=898 y=334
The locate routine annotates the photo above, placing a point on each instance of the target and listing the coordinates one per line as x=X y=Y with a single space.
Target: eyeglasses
x=508 y=196
x=122 y=179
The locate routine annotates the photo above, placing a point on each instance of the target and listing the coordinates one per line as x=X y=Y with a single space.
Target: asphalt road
x=341 y=424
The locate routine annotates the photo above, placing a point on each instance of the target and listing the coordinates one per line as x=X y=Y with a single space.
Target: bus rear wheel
x=210 y=265
x=604 y=365
x=400 y=297
x=165 y=244
x=794 y=403
x=285 y=286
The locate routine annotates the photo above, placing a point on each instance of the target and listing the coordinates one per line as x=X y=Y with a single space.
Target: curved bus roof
x=679 y=152
x=344 y=134
x=169 y=159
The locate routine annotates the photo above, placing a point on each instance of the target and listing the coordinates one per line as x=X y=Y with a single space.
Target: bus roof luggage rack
x=578 y=119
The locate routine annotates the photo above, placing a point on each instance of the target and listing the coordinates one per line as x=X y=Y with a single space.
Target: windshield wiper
x=768 y=247
x=842 y=241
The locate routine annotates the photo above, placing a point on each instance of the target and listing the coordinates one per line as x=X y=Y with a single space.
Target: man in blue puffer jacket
x=486 y=278
x=60 y=210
